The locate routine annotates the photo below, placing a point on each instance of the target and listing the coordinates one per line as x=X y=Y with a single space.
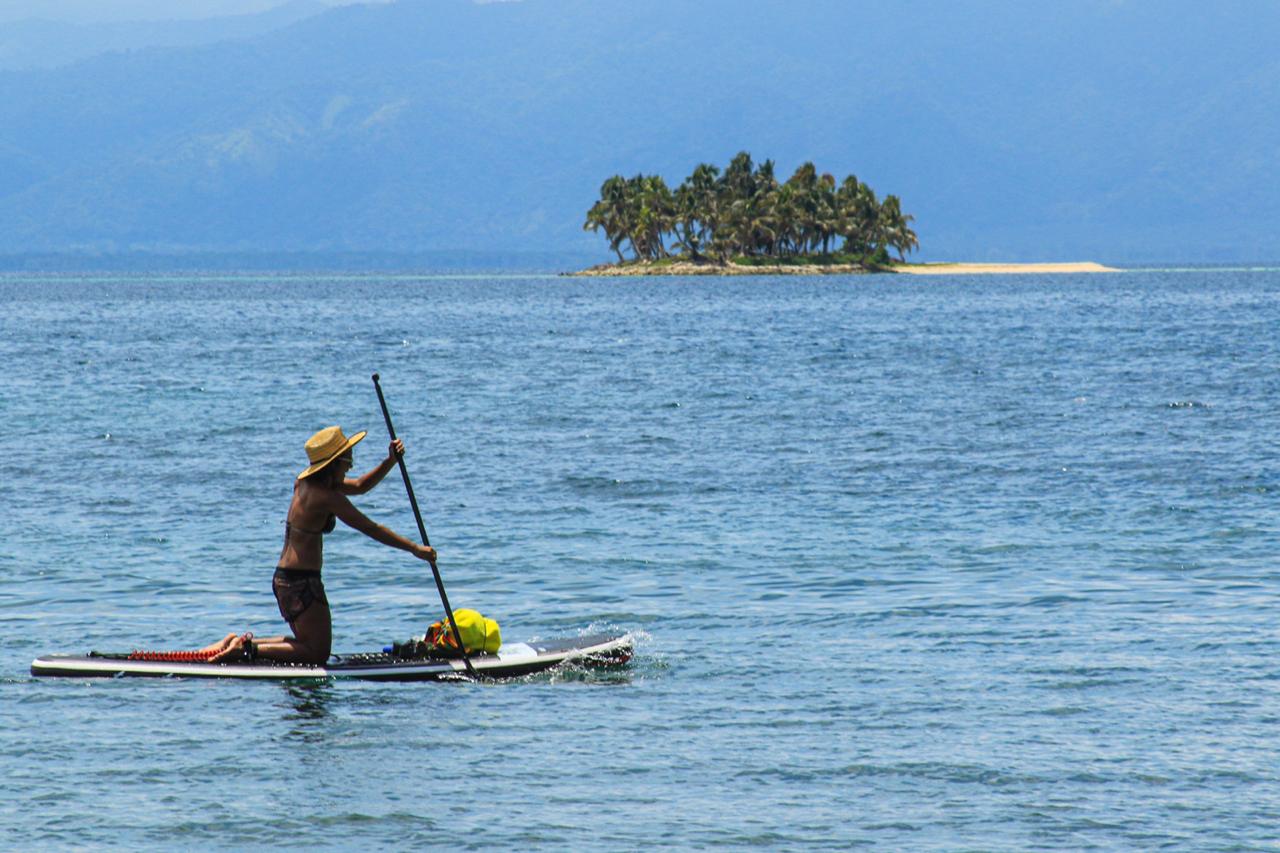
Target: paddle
x=413 y=501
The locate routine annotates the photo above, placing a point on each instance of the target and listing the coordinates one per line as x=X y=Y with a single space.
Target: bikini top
x=329 y=524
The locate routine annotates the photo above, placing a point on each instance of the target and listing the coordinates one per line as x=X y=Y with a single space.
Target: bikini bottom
x=296 y=590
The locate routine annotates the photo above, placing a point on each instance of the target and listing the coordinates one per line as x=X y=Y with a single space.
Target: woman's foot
x=220 y=645
x=238 y=647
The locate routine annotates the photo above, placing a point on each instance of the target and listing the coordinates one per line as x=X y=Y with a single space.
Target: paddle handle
x=404 y=471
x=422 y=530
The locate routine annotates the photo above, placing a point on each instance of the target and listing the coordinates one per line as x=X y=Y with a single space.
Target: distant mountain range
x=1089 y=129
x=125 y=11
x=41 y=43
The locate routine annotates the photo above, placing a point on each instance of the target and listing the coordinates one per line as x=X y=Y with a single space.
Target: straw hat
x=327 y=445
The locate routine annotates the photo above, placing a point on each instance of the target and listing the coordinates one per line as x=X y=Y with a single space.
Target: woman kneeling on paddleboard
x=319 y=496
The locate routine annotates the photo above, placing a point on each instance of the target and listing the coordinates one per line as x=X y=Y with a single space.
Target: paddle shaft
x=422 y=530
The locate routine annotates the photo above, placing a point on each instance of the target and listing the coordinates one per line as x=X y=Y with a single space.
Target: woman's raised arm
x=366 y=482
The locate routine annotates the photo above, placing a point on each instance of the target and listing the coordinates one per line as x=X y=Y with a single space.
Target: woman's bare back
x=308 y=519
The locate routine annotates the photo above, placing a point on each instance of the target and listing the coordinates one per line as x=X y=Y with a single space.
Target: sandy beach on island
x=687 y=268
x=1001 y=269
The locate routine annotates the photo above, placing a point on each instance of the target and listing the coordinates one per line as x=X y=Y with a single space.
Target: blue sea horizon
x=915 y=563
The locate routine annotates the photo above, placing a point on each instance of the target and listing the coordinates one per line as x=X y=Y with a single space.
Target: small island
x=742 y=221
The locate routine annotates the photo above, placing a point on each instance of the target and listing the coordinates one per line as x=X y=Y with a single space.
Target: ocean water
x=980 y=563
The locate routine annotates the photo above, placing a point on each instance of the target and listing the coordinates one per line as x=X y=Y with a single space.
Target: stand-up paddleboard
x=512 y=659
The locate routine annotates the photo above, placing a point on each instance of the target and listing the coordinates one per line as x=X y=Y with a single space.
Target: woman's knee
x=313 y=634
x=315 y=656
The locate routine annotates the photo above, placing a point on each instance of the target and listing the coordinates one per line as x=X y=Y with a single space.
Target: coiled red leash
x=249 y=652
x=172 y=657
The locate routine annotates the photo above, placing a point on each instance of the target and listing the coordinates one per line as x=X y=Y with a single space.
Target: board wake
x=511 y=660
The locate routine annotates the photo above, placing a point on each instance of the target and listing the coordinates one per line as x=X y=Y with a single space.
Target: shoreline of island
x=708 y=268
x=1003 y=269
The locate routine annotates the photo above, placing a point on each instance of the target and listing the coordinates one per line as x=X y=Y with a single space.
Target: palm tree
x=828 y=216
x=654 y=215
x=764 y=206
x=785 y=215
x=897 y=227
x=860 y=215
x=611 y=214
x=804 y=188
x=696 y=210
x=738 y=180
x=752 y=225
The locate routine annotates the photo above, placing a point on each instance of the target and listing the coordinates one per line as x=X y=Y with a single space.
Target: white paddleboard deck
x=512 y=659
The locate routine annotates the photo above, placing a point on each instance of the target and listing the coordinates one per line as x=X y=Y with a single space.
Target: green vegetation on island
x=744 y=217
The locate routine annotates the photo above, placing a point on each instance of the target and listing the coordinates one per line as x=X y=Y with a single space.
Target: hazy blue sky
x=1111 y=130
x=97 y=11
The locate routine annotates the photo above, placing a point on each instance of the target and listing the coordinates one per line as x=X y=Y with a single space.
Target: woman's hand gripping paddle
x=413 y=501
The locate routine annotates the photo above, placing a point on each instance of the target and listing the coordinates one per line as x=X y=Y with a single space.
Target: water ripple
x=907 y=572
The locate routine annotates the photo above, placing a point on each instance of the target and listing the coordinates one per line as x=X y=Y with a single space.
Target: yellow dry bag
x=478 y=634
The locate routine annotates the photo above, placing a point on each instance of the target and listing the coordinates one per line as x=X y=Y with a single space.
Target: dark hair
x=328 y=475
